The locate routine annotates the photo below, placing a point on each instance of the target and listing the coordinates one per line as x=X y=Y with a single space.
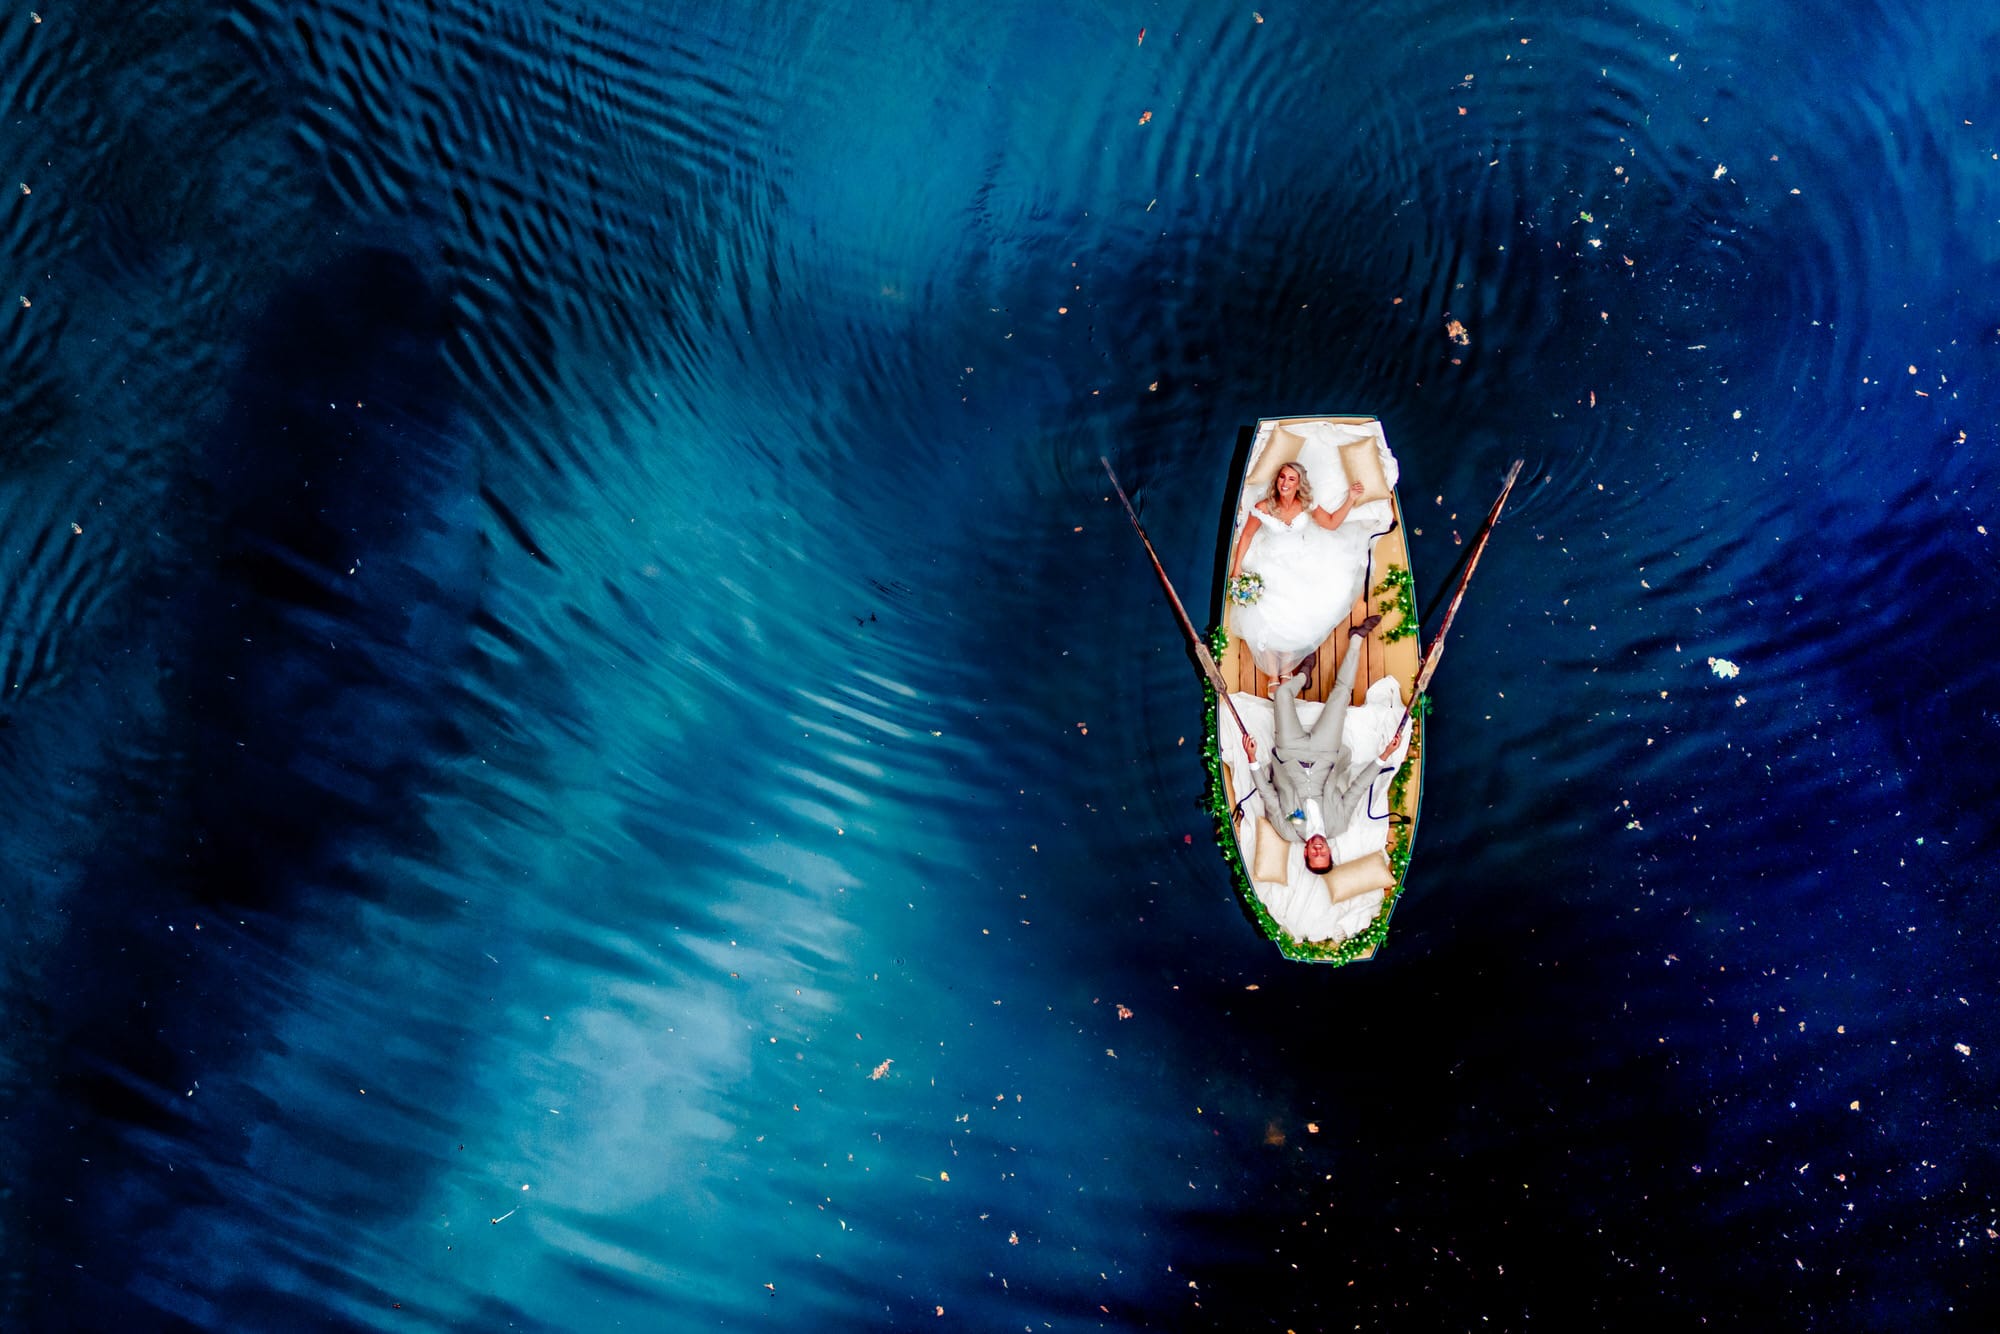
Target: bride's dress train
x=1312 y=575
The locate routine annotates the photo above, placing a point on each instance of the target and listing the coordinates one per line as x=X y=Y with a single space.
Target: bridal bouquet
x=1245 y=589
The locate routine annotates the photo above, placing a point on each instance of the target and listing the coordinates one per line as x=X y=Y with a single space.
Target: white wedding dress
x=1312 y=575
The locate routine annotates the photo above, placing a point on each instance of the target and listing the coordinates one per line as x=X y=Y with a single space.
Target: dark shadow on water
x=307 y=627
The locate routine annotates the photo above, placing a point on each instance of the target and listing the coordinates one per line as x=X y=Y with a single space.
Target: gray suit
x=1312 y=765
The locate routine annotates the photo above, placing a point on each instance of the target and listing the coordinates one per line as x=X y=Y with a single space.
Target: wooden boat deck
x=1379 y=658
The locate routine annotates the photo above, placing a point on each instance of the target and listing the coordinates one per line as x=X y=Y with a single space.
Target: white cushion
x=1317 y=451
x=1323 y=469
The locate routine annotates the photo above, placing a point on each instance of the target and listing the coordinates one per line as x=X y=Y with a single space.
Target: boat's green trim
x=1401 y=602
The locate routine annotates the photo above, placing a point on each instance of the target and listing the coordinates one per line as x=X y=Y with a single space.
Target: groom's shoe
x=1367 y=627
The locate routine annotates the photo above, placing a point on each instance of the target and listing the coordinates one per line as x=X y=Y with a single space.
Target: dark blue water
x=585 y=749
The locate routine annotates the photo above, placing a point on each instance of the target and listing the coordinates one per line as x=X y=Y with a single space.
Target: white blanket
x=1300 y=904
x=1319 y=455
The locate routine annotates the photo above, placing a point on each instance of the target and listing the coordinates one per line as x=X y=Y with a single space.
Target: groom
x=1311 y=795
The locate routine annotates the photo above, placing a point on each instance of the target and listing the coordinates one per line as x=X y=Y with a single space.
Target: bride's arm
x=1339 y=516
x=1250 y=527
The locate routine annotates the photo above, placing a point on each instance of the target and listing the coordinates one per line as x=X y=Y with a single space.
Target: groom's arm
x=1368 y=773
x=1359 y=780
x=1274 y=809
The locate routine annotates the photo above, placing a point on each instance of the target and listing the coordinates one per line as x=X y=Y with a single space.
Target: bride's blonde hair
x=1305 y=486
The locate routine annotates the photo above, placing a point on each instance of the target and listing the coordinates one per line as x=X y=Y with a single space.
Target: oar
x=1436 y=650
x=1201 y=653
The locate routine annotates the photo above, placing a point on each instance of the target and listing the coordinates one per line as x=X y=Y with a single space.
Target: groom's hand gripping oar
x=1201 y=653
x=1436 y=650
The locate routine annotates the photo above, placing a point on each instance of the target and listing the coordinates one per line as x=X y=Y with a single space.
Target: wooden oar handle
x=1203 y=658
x=1428 y=664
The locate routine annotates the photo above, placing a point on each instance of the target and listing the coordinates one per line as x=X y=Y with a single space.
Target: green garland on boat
x=1304 y=951
x=1403 y=602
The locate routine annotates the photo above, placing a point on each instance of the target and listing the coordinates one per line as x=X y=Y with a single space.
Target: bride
x=1312 y=571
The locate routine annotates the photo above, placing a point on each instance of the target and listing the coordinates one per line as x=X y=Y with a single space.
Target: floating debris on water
x=1723 y=668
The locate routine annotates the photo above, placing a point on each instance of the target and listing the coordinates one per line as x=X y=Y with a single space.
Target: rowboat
x=1342 y=916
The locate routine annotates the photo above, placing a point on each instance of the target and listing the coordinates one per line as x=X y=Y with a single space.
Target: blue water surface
x=585 y=746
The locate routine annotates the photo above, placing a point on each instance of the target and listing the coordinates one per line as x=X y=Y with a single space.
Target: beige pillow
x=1363 y=875
x=1282 y=449
x=1364 y=465
x=1274 y=854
